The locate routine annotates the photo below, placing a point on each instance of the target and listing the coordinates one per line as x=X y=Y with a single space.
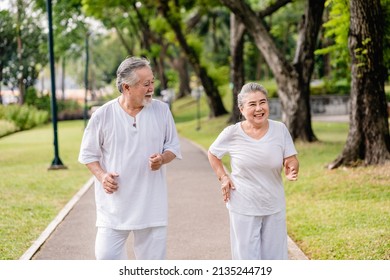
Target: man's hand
x=109 y=182
x=155 y=161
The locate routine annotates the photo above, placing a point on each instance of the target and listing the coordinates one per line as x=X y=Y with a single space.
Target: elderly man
x=126 y=145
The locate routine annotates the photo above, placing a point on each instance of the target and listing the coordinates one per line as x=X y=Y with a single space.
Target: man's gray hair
x=249 y=88
x=126 y=71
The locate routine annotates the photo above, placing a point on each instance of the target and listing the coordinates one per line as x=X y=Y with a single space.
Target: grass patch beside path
x=331 y=214
x=31 y=195
x=342 y=213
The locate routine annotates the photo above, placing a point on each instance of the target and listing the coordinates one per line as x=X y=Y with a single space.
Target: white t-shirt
x=111 y=139
x=256 y=167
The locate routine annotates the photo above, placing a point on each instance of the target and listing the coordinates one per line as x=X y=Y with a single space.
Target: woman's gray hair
x=126 y=71
x=249 y=88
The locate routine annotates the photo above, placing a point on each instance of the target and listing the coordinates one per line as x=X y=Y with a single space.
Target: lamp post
x=56 y=163
x=196 y=94
x=86 y=77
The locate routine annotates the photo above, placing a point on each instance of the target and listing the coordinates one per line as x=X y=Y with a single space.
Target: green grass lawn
x=31 y=195
x=331 y=214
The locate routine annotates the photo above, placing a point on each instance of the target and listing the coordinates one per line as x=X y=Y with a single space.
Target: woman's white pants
x=258 y=237
x=149 y=243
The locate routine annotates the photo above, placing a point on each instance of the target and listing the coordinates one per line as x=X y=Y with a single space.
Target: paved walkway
x=198 y=219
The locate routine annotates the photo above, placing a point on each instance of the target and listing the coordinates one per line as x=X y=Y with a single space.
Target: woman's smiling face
x=255 y=108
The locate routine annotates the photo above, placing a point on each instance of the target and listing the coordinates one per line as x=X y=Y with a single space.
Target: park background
x=202 y=52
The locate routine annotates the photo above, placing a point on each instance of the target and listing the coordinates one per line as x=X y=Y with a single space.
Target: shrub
x=340 y=87
x=7 y=127
x=23 y=117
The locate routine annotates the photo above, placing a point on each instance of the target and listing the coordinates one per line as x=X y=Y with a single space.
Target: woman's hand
x=226 y=185
x=291 y=168
x=291 y=174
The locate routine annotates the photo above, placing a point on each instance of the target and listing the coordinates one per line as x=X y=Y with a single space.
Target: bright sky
x=4 y=4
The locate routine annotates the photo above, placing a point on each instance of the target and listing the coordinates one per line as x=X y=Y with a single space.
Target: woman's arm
x=223 y=177
x=291 y=168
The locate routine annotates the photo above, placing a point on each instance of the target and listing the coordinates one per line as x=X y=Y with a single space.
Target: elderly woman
x=259 y=149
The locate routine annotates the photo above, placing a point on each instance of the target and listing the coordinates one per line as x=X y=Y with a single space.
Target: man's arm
x=157 y=160
x=107 y=179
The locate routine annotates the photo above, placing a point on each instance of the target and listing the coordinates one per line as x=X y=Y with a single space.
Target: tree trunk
x=161 y=68
x=21 y=85
x=180 y=64
x=293 y=79
x=63 y=66
x=237 y=30
x=147 y=39
x=368 y=139
x=213 y=97
x=128 y=48
x=1 y=80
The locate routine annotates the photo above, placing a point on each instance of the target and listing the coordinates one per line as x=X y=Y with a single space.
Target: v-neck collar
x=254 y=139
x=124 y=111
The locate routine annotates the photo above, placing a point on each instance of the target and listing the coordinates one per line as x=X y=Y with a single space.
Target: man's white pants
x=258 y=237
x=149 y=243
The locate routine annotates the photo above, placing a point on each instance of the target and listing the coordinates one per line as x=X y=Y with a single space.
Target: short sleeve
x=171 y=141
x=221 y=145
x=289 y=148
x=90 y=150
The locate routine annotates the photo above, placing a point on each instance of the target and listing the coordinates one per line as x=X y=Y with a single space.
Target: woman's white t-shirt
x=256 y=167
x=111 y=139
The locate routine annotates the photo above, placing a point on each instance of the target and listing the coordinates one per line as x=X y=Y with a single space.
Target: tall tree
x=132 y=22
x=237 y=30
x=171 y=13
x=368 y=139
x=7 y=42
x=293 y=78
x=29 y=57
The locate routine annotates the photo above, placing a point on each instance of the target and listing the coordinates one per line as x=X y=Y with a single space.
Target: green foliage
x=105 y=60
x=41 y=103
x=195 y=43
x=271 y=87
x=7 y=127
x=172 y=77
x=386 y=33
x=159 y=25
x=24 y=117
x=387 y=92
x=155 y=50
x=212 y=29
x=220 y=75
x=336 y=31
x=251 y=56
x=338 y=24
x=68 y=105
x=339 y=86
x=69 y=110
x=7 y=35
x=25 y=62
x=284 y=27
x=31 y=96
